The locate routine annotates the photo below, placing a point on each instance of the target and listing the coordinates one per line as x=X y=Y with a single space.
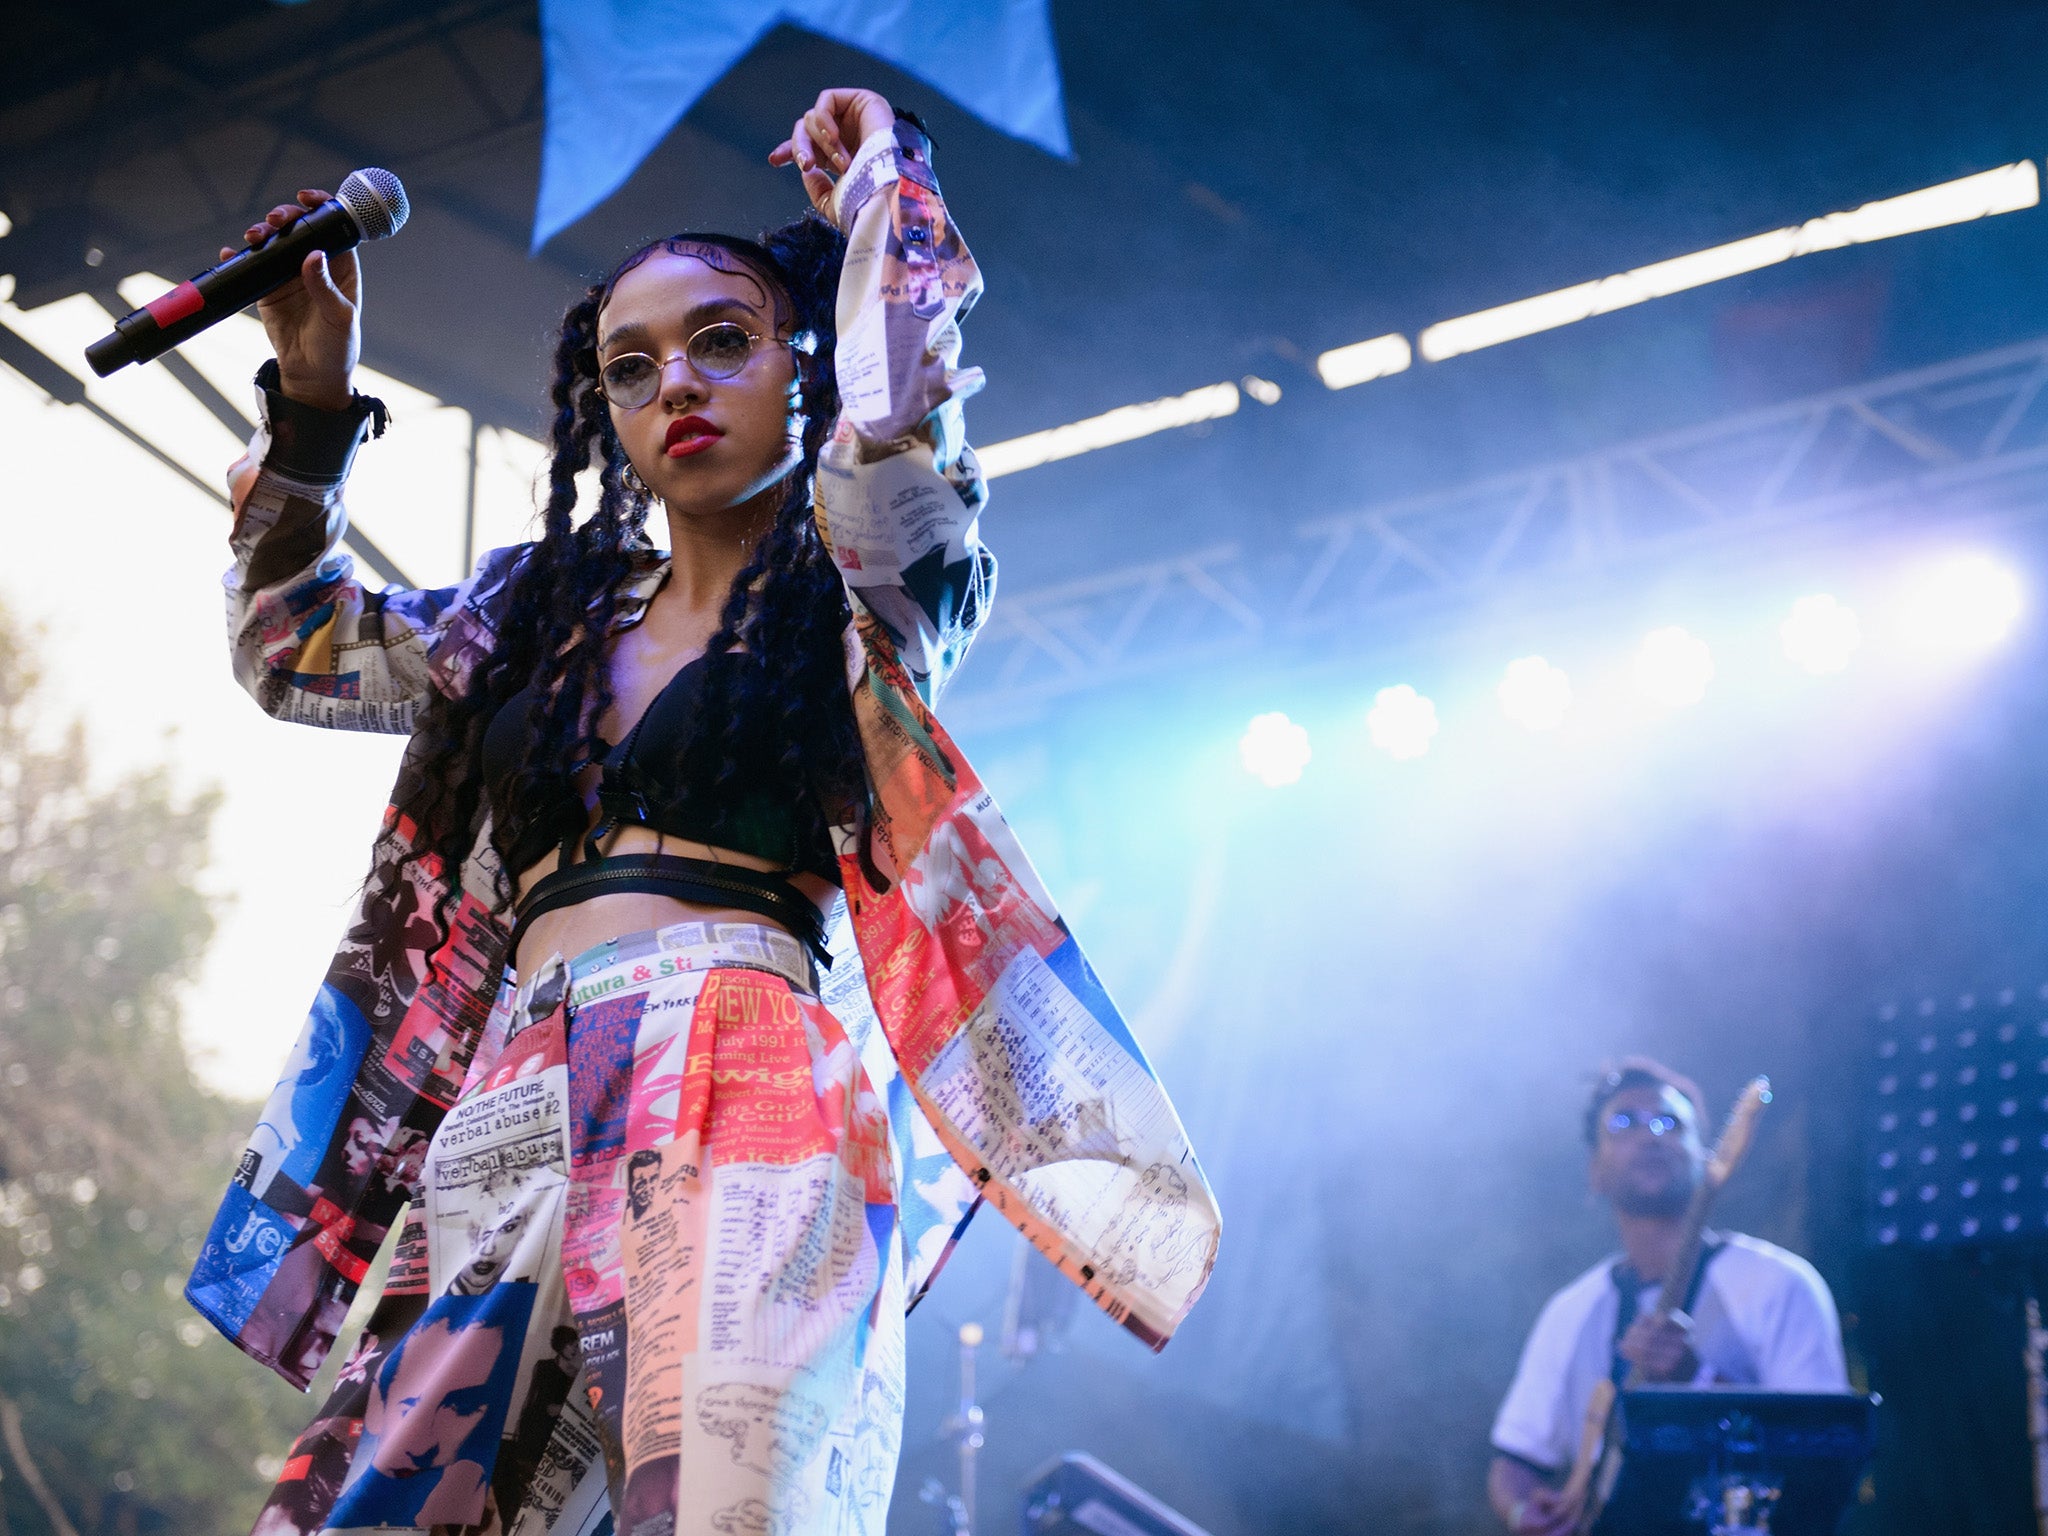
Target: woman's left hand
x=823 y=140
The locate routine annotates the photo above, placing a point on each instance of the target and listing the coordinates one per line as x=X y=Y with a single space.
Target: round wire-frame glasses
x=719 y=350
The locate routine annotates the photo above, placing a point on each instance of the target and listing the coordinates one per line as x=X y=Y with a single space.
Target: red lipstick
x=688 y=435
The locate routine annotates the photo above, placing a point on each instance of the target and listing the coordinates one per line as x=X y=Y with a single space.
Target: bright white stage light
x=1964 y=603
x=1402 y=722
x=1273 y=749
x=1122 y=425
x=1821 y=634
x=1342 y=367
x=1535 y=694
x=2004 y=190
x=1674 y=667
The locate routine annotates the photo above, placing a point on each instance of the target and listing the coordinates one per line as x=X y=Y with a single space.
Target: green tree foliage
x=133 y=1415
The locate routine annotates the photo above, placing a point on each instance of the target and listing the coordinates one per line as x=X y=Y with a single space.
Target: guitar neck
x=1685 y=1265
x=1726 y=1157
x=1692 y=1245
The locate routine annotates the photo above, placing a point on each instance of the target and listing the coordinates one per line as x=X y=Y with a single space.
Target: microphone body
x=371 y=205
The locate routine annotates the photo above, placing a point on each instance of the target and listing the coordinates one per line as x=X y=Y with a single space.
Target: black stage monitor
x=1733 y=1459
x=1078 y=1496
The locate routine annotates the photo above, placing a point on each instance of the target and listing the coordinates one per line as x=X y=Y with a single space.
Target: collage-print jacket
x=1010 y=1076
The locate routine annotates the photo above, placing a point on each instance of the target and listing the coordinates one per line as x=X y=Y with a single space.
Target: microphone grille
x=376 y=200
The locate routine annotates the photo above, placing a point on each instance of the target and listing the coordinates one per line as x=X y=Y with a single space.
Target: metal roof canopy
x=1246 y=192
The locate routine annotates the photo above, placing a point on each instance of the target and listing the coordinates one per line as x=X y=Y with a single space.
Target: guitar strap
x=1629 y=1288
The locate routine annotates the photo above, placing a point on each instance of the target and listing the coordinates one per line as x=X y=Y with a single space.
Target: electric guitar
x=1598 y=1462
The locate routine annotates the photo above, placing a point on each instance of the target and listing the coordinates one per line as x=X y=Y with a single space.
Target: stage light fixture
x=1535 y=694
x=1821 y=634
x=1402 y=722
x=1342 y=367
x=1963 y=604
x=1124 y=424
x=1674 y=667
x=1956 y=1122
x=2004 y=190
x=1273 y=749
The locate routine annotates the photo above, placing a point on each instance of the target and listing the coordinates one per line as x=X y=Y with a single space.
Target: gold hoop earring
x=637 y=487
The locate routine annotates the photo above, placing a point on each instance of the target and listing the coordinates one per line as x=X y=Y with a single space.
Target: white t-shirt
x=1763 y=1317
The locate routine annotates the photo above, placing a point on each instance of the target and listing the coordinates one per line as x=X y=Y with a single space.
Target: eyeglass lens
x=717 y=352
x=1656 y=1125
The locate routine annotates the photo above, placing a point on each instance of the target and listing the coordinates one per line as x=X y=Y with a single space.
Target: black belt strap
x=699 y=881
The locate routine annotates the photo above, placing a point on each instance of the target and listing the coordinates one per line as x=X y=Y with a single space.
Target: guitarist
x=1758 y=1315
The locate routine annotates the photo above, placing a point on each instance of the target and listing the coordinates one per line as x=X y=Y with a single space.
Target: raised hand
x=314 y=322
x=822 y=142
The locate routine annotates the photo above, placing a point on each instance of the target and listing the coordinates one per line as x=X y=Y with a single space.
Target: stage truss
x=1965 y=439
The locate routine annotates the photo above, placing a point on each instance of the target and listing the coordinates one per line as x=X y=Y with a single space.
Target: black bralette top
x=660 y=777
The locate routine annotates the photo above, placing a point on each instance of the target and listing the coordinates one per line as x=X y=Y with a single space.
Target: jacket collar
x=647 y=577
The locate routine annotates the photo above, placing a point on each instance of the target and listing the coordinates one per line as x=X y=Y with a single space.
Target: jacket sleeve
x=899 y=492
x=308 y=641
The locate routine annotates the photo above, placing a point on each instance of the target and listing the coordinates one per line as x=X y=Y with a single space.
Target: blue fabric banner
x=621 y=74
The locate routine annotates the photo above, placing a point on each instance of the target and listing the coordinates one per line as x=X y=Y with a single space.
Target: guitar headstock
x=1735 y=1136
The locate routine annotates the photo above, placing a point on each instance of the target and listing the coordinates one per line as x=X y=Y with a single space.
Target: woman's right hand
x=818 y=141
x=314 y=322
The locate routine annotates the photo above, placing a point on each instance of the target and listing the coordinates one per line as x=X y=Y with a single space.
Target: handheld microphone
x=370 y=206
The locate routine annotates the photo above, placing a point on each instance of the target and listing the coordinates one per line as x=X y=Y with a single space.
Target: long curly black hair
x=780 y=690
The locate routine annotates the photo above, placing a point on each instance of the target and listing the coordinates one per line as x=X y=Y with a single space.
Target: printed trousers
x=654 y=1279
